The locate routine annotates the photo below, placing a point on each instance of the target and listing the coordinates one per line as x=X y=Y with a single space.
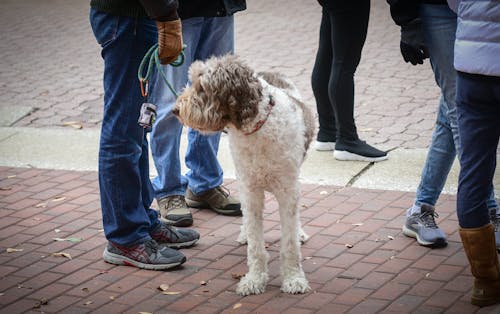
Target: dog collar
x=261 y=122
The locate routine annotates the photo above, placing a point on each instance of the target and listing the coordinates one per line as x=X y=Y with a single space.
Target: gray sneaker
x=423 y=227
x=147 y=255
x=174 y=211
x=495 y=220
x=217 y=199
x=173 y=237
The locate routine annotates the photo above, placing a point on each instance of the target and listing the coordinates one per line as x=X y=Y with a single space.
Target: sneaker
x=216 y=199
x=423 y=227
x=147 y=255
x=495 y=220
x=174 y=211
x=324 y=146
x=173 y=237
x=357 y=150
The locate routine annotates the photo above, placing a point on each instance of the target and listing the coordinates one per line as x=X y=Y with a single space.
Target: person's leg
x=478 y=107
x=327 y=132
x=349 y=25
x=166 y=132
x=125 y=193
x=205 y=175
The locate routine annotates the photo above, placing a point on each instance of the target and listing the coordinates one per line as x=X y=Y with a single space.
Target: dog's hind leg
x=294 y=280
x=254 y=282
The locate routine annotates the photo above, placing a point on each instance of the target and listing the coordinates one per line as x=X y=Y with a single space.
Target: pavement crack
x=357 y=175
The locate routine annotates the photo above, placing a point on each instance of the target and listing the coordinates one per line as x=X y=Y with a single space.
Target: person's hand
x=412 y=44
x=169 y=40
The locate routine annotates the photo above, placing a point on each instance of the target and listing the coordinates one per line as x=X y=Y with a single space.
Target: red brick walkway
x=383 y=272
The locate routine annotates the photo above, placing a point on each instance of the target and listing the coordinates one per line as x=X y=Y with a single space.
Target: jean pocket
x=104 y=26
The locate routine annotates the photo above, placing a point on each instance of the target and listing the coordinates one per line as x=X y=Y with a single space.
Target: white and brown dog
x=270 y=130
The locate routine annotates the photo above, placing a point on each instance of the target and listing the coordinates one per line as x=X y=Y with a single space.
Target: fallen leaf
x=88 y=303
x=267 y=245
x=323 y=192
x=72 y=240
x=12 y=176
x=57 y=230
x=102 y=272
x=349 y=246
x=427 y=275
x=37 y=219
x=237 y=275
x=5 y=188
x=236 y=306
x=112 y=297
x=307 y=257
x=171 y=292
x=2 y=294
x=203 y=283
x=85 y=289
x=73 y=124
x=163 y=287
x=43 y=205
x=358 y=224
x=61 y=254
x=145 y=313
x=58 y=199
x=390 y=237
x=12 y=250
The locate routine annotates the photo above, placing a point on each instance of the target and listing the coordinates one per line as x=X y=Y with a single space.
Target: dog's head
x=224 y=91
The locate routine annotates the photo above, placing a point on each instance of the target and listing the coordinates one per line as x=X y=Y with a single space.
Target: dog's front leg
x=294 y=279
x=254 y=282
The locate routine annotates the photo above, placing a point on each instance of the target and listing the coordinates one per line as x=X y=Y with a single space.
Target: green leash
x=151 y=58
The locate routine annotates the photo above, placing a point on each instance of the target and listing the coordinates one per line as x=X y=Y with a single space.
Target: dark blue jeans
x=478 y=108
x=125 y=187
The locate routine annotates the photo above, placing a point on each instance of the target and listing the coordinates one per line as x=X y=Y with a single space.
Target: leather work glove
x=412 y=44
x=169 y=40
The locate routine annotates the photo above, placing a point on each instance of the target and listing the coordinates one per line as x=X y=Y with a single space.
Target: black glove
x=412 y=44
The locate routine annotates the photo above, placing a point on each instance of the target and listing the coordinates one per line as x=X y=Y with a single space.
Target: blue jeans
x=124 y=184
x=439 y=24
x=204 y=37
x=478 y=103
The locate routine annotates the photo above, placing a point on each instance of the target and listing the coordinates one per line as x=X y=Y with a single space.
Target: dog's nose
x=175 y=111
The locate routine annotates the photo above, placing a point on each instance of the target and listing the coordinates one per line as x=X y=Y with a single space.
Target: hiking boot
x=216 y=199
x=495 y=221
x=357 y=150
x=147 y=255
x=173 y=237
x=423 y=227
x=174 y=211
x=324 y=146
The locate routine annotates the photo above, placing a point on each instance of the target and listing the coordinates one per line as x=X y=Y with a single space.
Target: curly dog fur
x=270 y=130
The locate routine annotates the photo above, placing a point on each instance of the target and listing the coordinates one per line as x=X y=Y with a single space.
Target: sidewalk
x=51 y=237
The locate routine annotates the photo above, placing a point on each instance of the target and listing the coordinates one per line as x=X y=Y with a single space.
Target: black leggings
x=341 y=39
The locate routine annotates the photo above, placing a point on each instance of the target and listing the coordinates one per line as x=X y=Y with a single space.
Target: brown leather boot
x=479 y=245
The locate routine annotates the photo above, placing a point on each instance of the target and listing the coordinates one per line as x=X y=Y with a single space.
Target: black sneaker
x=495 y=220
x=147 y=255
x=357 y=150
x=423 y=227
x=174 y=211
x=217 y=199
x=173 y=237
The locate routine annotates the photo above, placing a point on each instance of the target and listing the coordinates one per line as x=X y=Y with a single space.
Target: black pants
x=342 y=35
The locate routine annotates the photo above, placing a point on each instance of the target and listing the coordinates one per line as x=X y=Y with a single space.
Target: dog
x=269 y=130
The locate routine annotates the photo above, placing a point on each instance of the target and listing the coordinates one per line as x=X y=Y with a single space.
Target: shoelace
x=151 y=246
x=223 y=190
x=428 y=219
x=176 y=201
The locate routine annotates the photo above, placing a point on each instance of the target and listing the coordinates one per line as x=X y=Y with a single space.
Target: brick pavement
x=51 y=64
x=383 y=272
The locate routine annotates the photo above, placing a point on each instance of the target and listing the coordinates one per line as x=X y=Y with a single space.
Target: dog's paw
x=242 y=238
x=303 y=237
x=294 y=285
x=251 y=285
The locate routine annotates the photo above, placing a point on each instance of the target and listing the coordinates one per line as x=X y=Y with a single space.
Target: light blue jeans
x=439 y=24
x=204 y=37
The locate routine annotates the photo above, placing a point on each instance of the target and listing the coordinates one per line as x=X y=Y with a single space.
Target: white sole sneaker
x=324 y=146
x=347 y=156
